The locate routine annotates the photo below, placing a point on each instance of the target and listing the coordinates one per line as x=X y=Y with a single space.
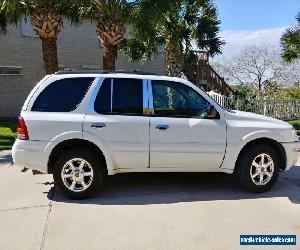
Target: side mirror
x=212 y=112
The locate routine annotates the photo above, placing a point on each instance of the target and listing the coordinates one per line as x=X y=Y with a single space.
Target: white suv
x=80 y=127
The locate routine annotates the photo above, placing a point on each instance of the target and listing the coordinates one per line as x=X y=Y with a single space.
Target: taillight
x=22 y=132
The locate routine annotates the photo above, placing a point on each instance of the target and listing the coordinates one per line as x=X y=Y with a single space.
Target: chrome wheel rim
x=262 y=169
x=77 y=175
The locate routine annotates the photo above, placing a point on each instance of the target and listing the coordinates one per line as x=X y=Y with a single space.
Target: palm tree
x=111 y=16
x=291 y=42
x=46 y=19
x=176 y=25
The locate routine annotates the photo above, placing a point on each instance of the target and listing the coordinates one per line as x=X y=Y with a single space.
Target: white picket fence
x=280 y=109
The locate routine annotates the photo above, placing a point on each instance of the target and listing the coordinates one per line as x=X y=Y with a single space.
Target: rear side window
x=127 y=96
x=103 y=100
x=63 y=95
x=120 y=96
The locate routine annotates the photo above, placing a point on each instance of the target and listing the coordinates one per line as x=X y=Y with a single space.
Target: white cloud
x=237 y=40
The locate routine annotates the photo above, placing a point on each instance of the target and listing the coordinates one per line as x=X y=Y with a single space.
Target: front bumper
x=292 y=150
x=30 y=154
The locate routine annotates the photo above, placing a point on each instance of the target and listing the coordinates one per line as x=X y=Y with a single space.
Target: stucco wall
x=77 y=46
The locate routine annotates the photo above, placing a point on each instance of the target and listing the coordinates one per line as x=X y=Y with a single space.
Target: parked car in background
x=82 y=126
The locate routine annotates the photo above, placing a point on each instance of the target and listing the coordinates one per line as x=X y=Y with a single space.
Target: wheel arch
x=73 y=143
x=267 y=141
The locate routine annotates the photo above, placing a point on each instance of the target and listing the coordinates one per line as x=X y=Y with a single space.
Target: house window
x=26 y=28
x=10 y=70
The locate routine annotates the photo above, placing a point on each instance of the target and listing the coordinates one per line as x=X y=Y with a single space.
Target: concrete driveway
x=144 y=211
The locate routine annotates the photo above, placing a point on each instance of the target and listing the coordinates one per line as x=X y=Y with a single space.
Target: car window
x=126 y=97
x=178 y=100
x=103 y=100
x=62 y=95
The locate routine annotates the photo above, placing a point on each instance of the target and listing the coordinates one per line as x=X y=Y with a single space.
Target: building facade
x=21 y=63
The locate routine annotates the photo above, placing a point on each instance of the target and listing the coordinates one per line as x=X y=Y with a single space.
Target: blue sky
x=257 y=14
x=254 y=22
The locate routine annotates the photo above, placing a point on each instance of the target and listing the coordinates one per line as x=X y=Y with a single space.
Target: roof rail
x=73 y=71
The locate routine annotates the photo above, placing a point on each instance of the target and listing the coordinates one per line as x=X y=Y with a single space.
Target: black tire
x=243 y=167
x=95 y=163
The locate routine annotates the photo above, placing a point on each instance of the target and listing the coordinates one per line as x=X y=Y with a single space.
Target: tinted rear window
x=63 y=95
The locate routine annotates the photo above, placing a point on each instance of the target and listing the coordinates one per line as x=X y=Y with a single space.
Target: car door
x=116 y=119
x=181 y=135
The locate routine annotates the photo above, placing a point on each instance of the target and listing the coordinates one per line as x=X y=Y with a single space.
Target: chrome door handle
x=98 y=125
x=162 y=127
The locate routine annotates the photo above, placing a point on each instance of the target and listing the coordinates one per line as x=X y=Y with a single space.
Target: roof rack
x=73 y=71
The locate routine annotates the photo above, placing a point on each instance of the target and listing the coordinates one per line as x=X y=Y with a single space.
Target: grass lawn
x=7 y=134
x=296 y=124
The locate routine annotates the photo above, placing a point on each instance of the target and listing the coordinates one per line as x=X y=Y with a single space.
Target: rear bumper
x=30 y=154
x=292 y=150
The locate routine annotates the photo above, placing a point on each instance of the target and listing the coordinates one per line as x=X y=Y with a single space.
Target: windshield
x=227 y=109
x=214 y=101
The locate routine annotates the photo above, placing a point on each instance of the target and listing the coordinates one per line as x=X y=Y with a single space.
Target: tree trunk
x=109 y=57
x=50 y=55
x=259 y=84
x=174 y=59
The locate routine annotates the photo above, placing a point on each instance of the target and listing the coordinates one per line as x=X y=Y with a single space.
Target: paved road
x=144 y=211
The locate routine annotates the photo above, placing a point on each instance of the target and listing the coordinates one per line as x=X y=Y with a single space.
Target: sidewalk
x=24 y=208
x=144 y=211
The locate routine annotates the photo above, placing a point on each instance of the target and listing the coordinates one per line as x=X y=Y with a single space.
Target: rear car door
x=181 y=135
x=116 y=119
x=54 y=108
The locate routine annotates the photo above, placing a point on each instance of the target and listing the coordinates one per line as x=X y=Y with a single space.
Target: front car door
x=181 y=135
x=116 y=120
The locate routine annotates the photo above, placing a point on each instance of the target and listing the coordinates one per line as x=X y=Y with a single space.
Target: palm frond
x=207 y=30
x=111 y=8
x=182 y=21
x=149 y=29
x=75 y=11
x=290 y=42
x=13 y=10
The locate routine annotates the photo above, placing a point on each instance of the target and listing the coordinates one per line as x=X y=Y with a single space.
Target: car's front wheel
x=78 y=173
x=257 y=168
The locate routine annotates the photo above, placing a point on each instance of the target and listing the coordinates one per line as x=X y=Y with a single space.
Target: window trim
x=151 y=104
x=146 y=102
x=111 y=94
x=94 y=95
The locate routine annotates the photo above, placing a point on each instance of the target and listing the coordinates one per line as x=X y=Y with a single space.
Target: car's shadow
x=166 y=188
x=5 y=159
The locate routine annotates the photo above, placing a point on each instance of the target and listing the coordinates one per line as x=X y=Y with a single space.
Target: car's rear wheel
x=78 y=173
x=257 y=168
